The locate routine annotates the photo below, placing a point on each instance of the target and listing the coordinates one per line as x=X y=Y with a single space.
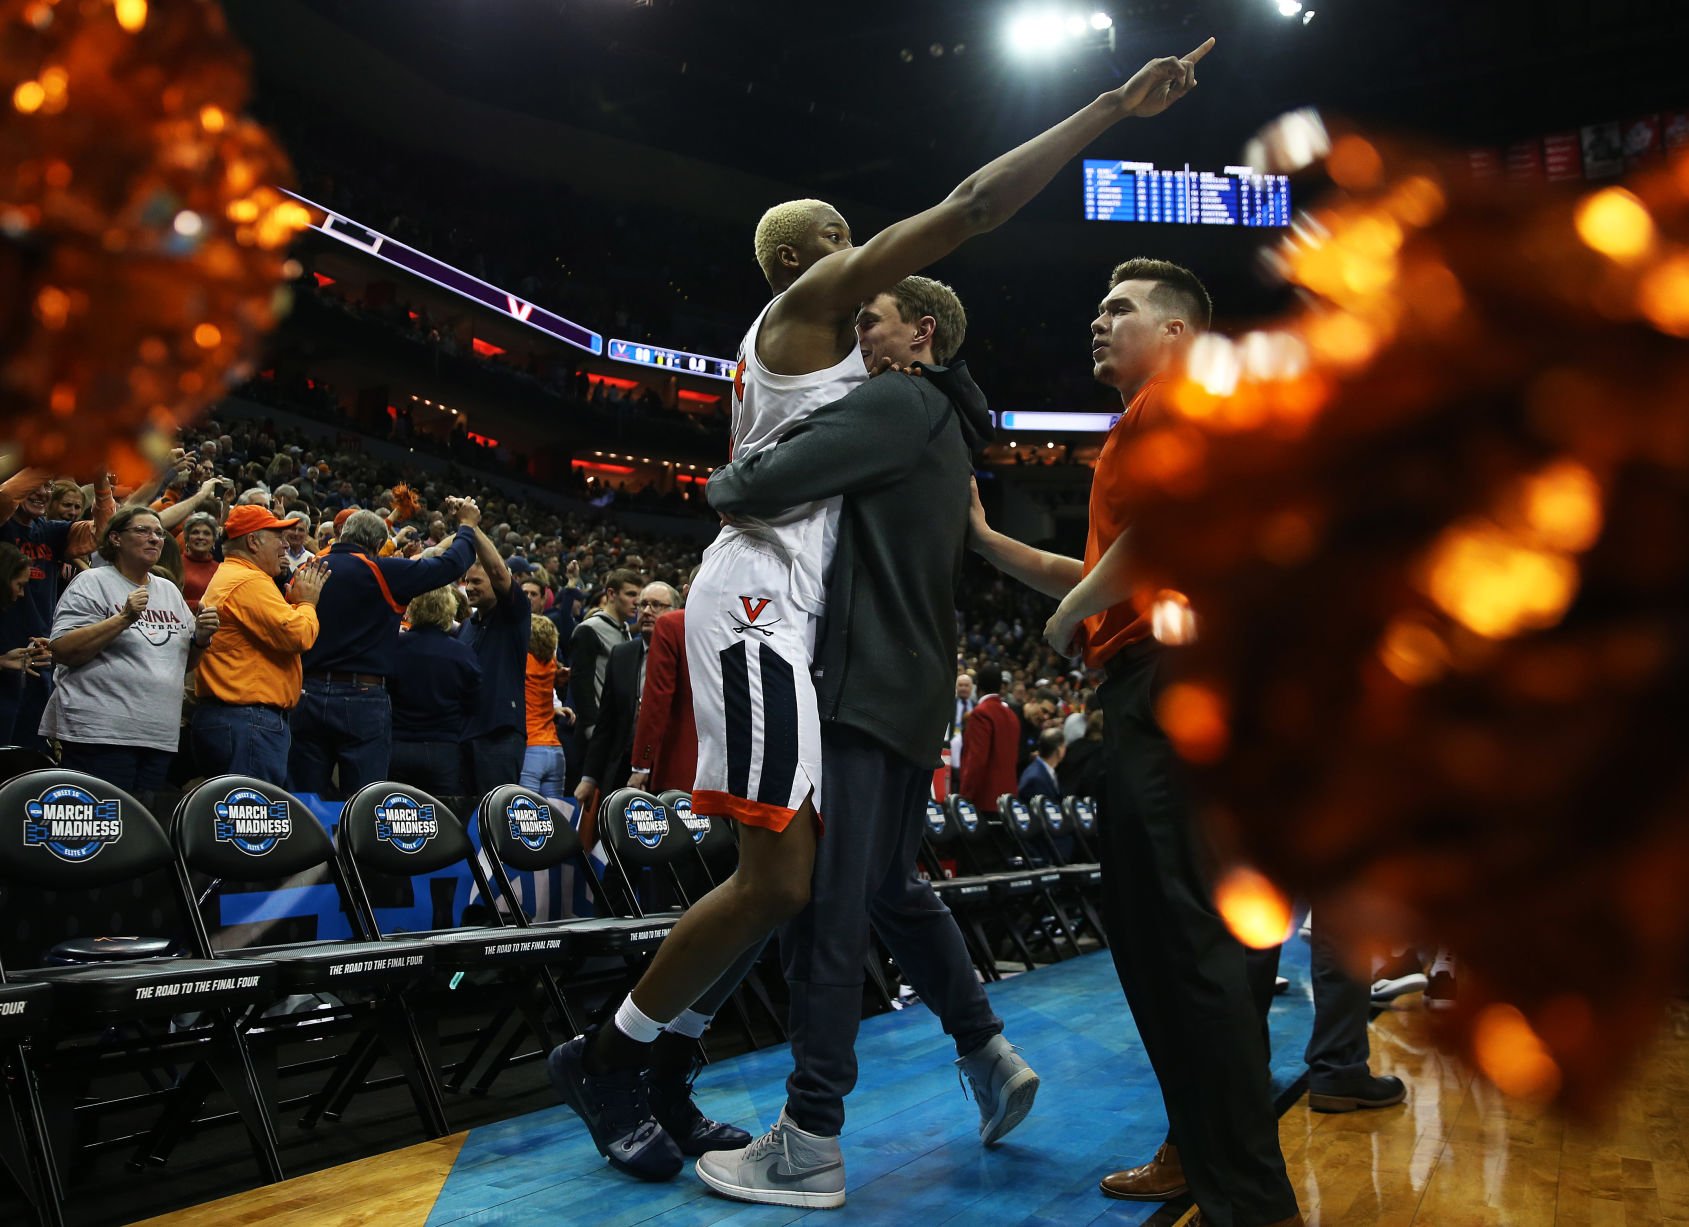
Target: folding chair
x=1080 y=881
x=950 y=825
x=25 y=1151
x=390 y=830
x=1016 y=833
x=717 y=847
x=520 y=830
x=71 y=833
x=240 y=830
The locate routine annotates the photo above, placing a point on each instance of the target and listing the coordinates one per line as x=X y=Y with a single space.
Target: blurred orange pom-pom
x=142 y=238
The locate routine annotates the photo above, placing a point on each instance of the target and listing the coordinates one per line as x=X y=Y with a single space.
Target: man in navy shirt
x=345 y=716
x=495 y=737
x=48 y=544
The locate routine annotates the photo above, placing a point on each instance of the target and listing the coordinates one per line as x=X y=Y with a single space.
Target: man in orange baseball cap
x=250 y=677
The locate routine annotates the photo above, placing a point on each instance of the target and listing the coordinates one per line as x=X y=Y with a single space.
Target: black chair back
x=1017 y=814
x=939 y=830
x=65 y=830
x=245 y=830
x=712 y=836
x=524 y=830
x=640 y=830
x=401 y=831
x=964 y=817
x=1051 y=816
x=15 y=760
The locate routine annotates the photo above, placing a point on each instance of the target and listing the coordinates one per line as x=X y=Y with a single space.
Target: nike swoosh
x=778 y=1176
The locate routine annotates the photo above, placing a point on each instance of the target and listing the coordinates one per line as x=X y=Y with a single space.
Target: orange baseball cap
x=340 y=517
x=251 y=518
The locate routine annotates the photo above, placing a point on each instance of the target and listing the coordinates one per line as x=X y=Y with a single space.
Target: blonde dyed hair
x=785 y=225
x=543 y=640
x=437 y=608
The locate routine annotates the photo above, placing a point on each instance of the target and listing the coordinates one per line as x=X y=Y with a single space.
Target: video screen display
x=1140 y=192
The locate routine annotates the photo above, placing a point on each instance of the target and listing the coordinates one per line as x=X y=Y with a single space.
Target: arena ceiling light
x=1045 y=31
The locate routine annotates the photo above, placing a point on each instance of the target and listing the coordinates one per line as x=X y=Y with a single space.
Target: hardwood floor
x=1459 y=1155
x=1454 y=1155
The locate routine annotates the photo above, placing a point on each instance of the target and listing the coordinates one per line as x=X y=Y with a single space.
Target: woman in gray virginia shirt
x=122 y=640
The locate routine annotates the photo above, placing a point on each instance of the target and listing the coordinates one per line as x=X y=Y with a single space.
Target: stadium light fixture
x=1047 y=30
x=1289 y=8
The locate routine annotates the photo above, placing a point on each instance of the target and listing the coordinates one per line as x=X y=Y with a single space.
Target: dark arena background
x=297 y=907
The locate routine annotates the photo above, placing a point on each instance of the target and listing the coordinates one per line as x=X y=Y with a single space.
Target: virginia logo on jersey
x=71 y=823
x=252 y=822
x=647 y=823
x=405 y=822
x=530 y=822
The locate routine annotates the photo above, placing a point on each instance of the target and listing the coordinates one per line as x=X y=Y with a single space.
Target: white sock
x=690 y=1023
x=632 y=1022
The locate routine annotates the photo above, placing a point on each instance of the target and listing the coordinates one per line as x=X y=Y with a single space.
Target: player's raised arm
x=985 y=199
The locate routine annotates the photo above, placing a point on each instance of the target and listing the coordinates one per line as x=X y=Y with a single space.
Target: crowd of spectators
x=305 y=614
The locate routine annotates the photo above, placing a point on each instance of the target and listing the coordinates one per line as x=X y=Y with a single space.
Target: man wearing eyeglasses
x=610 y=749
x=250 y=677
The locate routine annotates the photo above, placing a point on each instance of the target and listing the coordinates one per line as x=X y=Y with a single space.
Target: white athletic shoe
x=1004 y=1086
x=784 y=1167
x=1440 y=992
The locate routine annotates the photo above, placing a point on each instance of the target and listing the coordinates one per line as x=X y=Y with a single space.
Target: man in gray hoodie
x=899 y=449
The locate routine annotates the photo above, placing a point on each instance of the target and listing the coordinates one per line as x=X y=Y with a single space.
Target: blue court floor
x=912 y=1154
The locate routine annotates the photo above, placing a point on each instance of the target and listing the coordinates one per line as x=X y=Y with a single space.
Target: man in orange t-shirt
x=1185 y=975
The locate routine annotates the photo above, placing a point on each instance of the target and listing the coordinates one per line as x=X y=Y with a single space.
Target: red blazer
x=990 y=742
x=665 y=740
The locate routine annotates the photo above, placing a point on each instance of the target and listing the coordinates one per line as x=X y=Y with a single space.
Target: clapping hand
x=206 y=623
x=135 y=605
x=308 y=582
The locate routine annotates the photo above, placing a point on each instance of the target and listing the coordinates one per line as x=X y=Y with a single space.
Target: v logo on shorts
x=754 y=606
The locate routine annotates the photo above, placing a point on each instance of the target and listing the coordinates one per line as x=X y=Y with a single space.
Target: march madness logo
x=935 y=819
x=530 y=822
x=647 y=823
x=698 y=824
x=71 y=823
x=252 y=822
x=754 y=607
x=1022 y=817
x=405 y=822
x=967 y=815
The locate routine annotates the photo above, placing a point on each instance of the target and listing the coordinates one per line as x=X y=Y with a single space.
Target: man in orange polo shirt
x=250 y=676
x=1183 y=972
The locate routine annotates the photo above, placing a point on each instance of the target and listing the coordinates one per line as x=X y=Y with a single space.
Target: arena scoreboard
x=1142 y=192
x=676 y=360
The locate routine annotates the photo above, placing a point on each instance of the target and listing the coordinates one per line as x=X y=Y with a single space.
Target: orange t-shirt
x=540 y=685
x=1107 y=632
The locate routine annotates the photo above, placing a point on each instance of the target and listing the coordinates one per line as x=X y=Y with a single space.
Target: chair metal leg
x=347 y=1066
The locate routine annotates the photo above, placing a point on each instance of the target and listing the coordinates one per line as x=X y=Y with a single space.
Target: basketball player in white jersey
x=753 y=608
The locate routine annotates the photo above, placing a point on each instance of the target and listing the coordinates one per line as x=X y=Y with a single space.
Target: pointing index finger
x=1201 y=51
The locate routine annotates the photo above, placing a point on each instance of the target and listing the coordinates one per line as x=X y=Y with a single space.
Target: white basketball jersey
x=765 y=407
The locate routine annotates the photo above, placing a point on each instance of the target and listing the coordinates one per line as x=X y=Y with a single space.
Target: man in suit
x=1039 y=778
x=609 y=750
x=989 y=746
x=965 y=704
x=665 y=738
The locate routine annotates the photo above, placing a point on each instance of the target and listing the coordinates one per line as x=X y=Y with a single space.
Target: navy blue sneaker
x=617 y=1110
x=692 y=1131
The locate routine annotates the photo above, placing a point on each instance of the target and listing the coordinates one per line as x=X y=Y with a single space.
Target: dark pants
x=1338 y=1051
x=344 y=725
x=874 y=804
x=1183 y=972
x=492 y=760
x=137 y=770
x=241 y=739
x=24 y=704
x=432 y=766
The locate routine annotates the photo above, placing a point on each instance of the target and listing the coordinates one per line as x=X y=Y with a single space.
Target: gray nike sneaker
x=1004 y=1087
x=784 y=1167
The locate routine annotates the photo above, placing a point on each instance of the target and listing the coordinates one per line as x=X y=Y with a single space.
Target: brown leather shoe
x=1161 y=1179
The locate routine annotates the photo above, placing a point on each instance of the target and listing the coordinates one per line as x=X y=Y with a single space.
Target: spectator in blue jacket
x=344 y=718
x=435 y=689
